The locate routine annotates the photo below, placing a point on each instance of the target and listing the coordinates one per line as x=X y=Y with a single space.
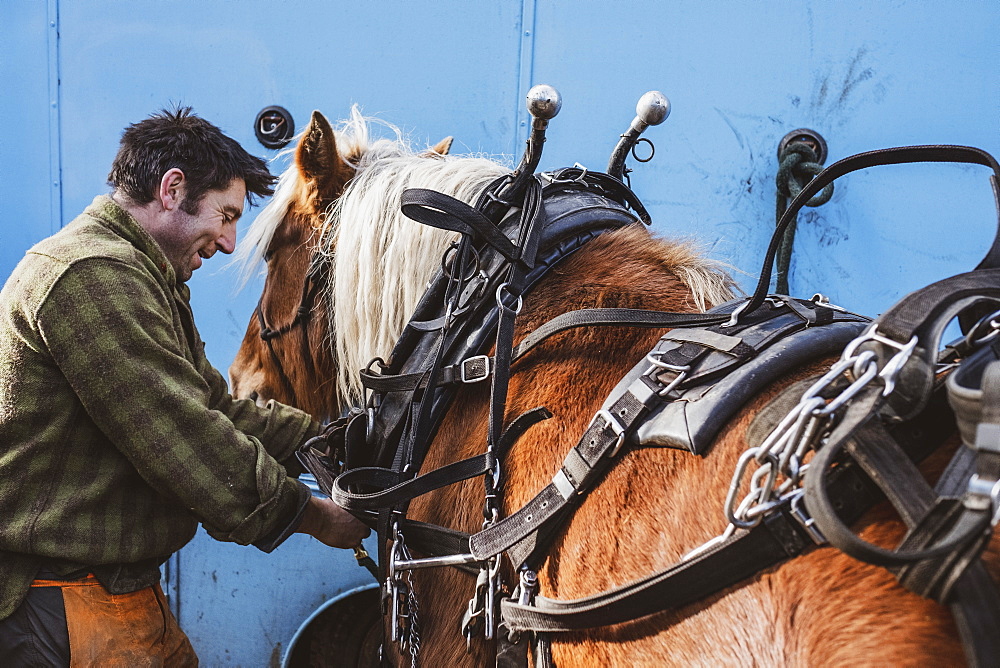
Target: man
x=116 y=434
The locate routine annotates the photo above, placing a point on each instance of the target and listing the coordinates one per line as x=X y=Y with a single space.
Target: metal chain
x=481 y=611
x=778 y=477
x=777 y=463
x=414 y=638
x=399 y=587
x=779 y=458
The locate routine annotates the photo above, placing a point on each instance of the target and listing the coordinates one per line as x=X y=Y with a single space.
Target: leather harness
x=699 y=373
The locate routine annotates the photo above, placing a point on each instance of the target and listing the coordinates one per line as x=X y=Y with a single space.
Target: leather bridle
x=310 y=286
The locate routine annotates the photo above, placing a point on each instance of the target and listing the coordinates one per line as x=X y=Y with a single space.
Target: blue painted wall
x=740 y=75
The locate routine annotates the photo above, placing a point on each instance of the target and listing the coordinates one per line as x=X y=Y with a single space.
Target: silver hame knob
x=544 y=102
x=653 y=108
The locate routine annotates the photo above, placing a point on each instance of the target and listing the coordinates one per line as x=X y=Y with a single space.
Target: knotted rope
x=798 y=164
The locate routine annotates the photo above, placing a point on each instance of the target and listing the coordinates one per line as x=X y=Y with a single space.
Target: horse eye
x=267 y=255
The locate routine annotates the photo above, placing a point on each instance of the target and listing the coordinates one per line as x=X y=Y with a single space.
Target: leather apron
x=120 y=630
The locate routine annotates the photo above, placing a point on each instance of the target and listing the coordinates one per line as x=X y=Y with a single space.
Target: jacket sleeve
x=115 y=334
x=280 y=428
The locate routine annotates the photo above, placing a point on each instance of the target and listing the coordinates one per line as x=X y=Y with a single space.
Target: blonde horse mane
x=380 y=261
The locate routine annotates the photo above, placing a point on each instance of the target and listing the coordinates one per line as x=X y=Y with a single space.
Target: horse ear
x=318 y=159
x=440 y=148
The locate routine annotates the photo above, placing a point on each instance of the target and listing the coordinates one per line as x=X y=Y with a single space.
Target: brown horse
x=340 y=202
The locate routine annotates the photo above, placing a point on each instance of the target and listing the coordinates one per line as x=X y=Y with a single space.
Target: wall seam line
x=526 y=67
x=55 y=117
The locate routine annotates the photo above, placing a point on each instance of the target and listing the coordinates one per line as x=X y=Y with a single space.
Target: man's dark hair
x=178 y=138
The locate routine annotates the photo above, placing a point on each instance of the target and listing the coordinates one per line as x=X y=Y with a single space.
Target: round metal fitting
x=806 y=136
x=274 y=127
x=544 y=101
x=653 y=107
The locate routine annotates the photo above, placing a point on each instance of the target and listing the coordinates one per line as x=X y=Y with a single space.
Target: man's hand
x=331 y=524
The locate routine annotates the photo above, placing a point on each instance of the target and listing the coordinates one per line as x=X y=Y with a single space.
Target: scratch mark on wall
x=732 y=126
x=837 y=93
x=856 y=74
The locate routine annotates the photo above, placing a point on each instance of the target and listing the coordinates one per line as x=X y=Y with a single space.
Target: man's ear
x=172 y=188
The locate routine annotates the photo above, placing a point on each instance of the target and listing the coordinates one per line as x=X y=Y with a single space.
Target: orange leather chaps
x=120 y=630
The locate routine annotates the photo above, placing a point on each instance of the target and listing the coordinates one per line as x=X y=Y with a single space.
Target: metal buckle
x=804 y=519
x=475 y=369
x=984 y=493
x=616 y=427
x=680 y=369
x=819 y=299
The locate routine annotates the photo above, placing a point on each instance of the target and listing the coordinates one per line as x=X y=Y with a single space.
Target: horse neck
x=576 y=370
x=570 y=374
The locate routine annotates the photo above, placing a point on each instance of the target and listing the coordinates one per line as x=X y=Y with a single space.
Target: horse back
x=656 y=504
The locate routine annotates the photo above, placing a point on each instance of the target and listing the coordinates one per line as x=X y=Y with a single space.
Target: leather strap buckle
x=984 y=494
x=475 y=369
x=610 y=421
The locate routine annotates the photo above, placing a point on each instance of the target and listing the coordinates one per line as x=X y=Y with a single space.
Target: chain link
x=777 y=463
x=414 y=639
x=399 y=587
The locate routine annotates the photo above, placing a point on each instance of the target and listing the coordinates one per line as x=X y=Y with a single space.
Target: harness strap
x=889 y=156
x=471 y=370
x=447 y=213
x=302 y=314
x=611 y=317
x=975 y=607
x=392 y=491
x=590 y=458
x=939 y=556
x=610 y=186
x=746 y=553
x=940 y=303
x=592 y=317
x=285 y=380
x=734 y=560
x=628 y=405
x=894 y=478
x=950 y=525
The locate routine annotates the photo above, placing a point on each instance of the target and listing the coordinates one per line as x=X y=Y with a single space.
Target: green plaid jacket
x=116 y=434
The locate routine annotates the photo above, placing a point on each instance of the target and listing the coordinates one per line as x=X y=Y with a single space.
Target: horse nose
x=240 y=383
x=257 y=399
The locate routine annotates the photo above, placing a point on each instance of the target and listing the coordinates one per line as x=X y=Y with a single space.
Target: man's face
x=191 y=238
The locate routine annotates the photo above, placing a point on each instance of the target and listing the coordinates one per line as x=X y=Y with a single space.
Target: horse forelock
x=249 y=254
x=381 y=260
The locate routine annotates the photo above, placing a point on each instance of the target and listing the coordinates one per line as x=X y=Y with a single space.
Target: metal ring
x=652 y=150
x=520 y=300
x=449 y=252
x=734 y=488
x=974 y=339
